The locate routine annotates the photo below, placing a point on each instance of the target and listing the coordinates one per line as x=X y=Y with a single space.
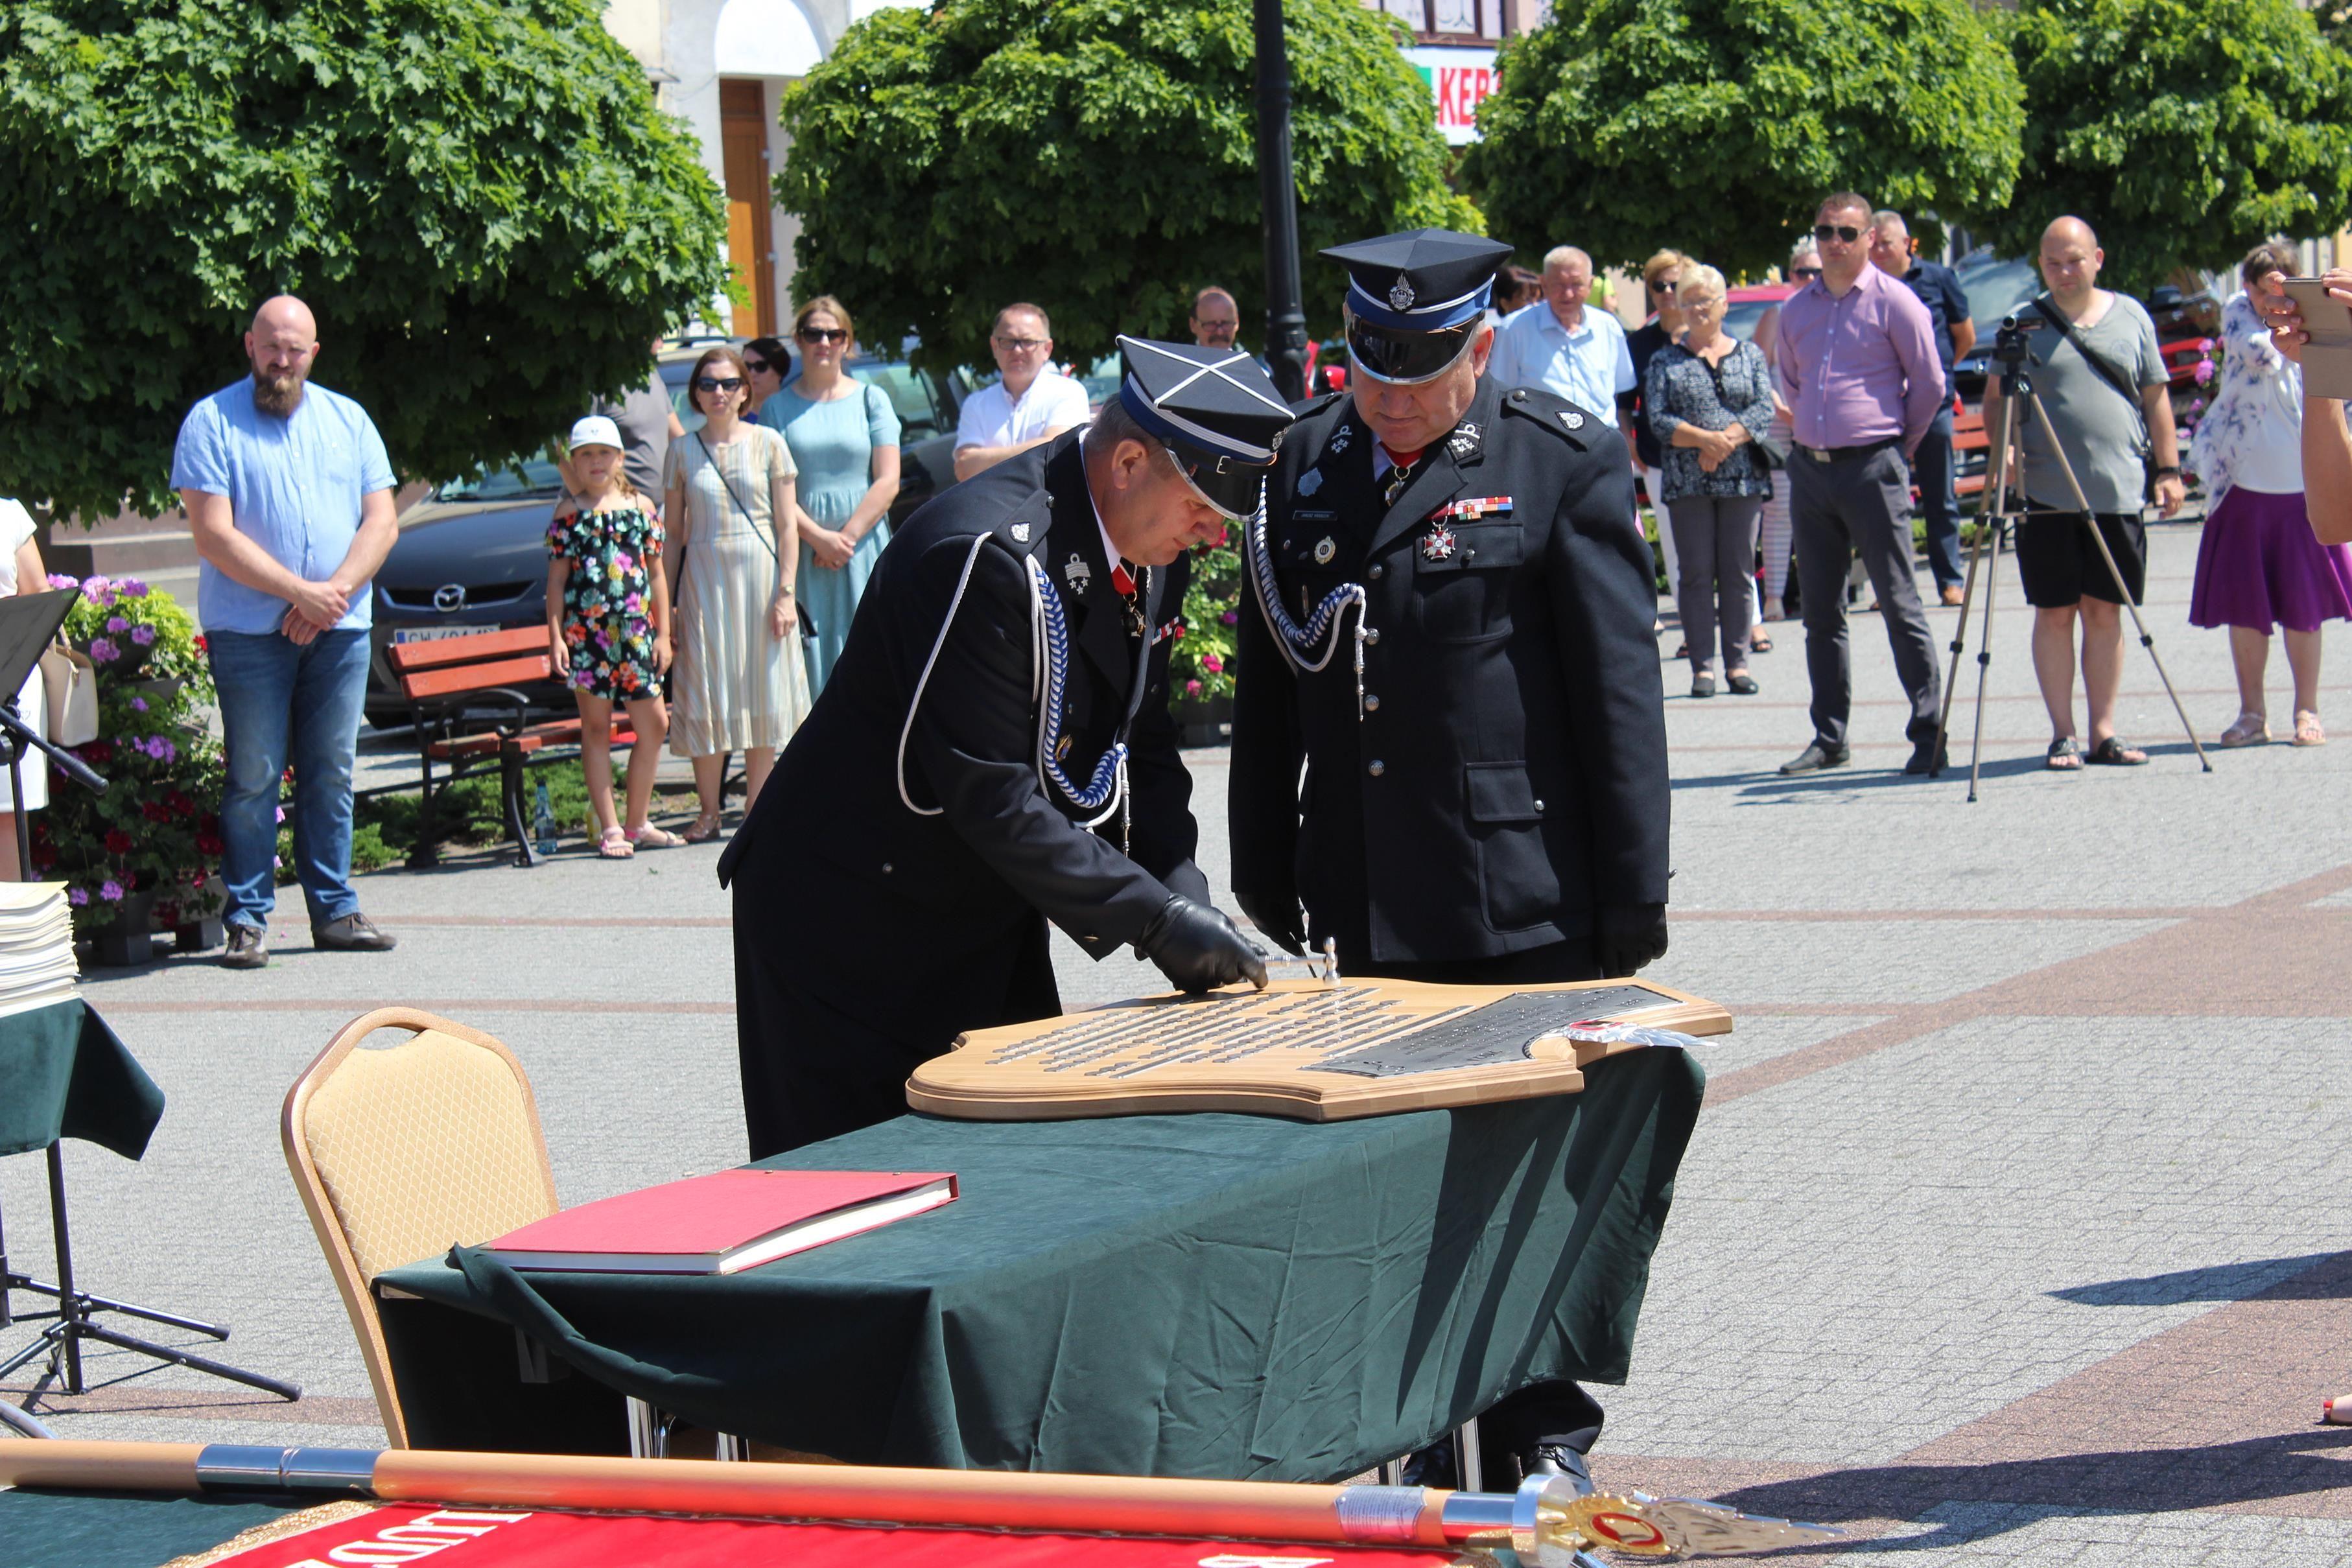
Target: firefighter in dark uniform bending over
x=1450 y=626
x=994 y=751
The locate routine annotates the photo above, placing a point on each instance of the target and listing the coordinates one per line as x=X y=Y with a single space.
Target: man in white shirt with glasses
x=1029 y=406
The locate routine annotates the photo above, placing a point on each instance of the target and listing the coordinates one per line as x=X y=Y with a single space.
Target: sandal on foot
x=705 y=829
x=2064 y=755
x=649 y=837
x=2113 y=753
x=1741 y=681
x=1758 y=644
x=2306 y=728
x=2251 y=730
x=614 y=845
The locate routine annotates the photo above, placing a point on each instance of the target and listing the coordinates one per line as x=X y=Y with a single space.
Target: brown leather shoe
x=352 y=934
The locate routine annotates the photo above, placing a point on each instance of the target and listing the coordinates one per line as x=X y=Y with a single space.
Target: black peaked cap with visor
x=1415 y=299
x=1219 y=416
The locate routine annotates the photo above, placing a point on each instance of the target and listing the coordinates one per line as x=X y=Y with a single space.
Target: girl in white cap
x=608 y=625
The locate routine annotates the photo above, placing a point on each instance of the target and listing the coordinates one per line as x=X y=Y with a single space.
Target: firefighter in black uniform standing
x=994 y=751
x=1450 y=625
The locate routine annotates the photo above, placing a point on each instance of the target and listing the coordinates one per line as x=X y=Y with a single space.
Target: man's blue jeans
x=1932 y=469
x=282 y=703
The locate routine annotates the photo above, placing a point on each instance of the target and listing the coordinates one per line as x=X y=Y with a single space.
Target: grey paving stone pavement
x=2012 y=1232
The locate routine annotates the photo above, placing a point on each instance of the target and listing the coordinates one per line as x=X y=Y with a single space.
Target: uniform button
x=1520 y=396
x=888 y=868
x=1377 y=571
x=1539 y=808
x=1371 y=633
x=1377 y=767
x=1371 y=705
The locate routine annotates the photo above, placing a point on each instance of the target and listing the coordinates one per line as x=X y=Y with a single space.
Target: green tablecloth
x=1192 y=1295
x=63 y=1074
x=115 y=1530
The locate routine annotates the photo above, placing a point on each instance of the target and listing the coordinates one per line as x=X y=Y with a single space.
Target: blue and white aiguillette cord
x=1322 y=629
x=1107 y=789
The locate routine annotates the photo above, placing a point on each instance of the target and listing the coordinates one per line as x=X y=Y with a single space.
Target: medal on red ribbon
x=1437 y=544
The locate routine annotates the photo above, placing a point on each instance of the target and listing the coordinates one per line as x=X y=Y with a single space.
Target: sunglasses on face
x=1665 y=286
x=1021 y=345
x=821 y=335
x=717 y=383
x=1804 y=272
x=1844 y=232
x=758 y=367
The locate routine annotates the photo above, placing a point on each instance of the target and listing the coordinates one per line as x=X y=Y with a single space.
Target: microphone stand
x=70 y=1321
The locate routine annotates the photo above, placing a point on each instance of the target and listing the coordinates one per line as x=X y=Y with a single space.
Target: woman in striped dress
x=740 y=681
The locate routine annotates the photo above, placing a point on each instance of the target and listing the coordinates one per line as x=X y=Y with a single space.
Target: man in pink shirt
x=1857 y=363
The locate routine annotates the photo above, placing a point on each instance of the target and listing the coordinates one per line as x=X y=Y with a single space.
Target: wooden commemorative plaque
x=1303 y=1049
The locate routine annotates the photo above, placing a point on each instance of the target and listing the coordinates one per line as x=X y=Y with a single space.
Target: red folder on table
x=722 y=1223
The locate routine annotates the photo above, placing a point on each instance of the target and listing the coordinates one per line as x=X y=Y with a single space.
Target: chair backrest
x=400 y=1154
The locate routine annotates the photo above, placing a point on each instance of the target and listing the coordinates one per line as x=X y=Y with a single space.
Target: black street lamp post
x=1286 y=320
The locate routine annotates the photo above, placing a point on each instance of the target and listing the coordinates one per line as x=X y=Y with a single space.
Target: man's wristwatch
x=2168 y=471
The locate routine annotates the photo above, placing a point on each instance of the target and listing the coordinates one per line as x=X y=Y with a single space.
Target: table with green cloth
x=63 y=1074
x=121 y=1529
x=1173 y=1295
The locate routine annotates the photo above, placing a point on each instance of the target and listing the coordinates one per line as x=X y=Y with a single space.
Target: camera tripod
x=2003 y=462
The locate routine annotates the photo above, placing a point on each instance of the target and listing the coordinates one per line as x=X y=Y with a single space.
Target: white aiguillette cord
x=1298 y=642
x=1050 y=643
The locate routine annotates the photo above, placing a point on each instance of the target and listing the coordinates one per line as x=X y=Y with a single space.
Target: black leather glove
x=1197 y=948
x=1628 y=937
x=1278 y=924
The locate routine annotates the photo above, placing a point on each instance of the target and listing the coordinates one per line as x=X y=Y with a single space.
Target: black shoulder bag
x=808 y=627
x=2114 y=378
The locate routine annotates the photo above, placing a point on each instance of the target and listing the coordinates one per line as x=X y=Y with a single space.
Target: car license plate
x=435 y=633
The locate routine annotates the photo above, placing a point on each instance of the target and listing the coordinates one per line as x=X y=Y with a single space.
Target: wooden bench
x=470 y=718
x=1968 y=435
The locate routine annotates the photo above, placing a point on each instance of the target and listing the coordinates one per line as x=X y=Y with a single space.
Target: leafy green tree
x=2185 y=132
x=478 y=200
x=1096 y=157
x=1716 y=126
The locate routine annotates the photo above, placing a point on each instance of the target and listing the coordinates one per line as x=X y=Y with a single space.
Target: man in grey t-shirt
x=2108 y=436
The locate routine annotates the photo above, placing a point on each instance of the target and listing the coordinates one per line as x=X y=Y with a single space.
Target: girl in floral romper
x=608 y=629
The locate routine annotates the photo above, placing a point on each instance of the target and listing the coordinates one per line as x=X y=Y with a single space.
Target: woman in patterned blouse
x=1704 y=398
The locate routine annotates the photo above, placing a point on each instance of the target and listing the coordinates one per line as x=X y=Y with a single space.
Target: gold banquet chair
x=401 y=1153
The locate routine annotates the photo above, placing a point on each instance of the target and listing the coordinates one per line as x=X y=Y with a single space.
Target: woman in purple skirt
x=2258 y=565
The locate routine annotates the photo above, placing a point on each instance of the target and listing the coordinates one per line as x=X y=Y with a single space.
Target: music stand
x=28 y=624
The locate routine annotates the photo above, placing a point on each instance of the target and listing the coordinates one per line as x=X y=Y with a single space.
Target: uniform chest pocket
x=1464 y=593
x=1306 y=557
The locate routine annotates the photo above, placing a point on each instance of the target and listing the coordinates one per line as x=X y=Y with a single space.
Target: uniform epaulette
x=1317 y=403
x=1564 y=419
x=1021 y=532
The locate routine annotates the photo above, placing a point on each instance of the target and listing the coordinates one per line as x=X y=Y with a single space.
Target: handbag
x=69 y=683
x=1768 y=454
x=2114 y=378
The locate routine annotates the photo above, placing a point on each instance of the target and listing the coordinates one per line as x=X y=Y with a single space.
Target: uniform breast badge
x=1438 y=543
x=1077 y=573
x=1312 y=482
x=1325 y=549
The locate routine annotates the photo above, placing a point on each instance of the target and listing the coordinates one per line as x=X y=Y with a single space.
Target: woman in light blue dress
x=844 y=436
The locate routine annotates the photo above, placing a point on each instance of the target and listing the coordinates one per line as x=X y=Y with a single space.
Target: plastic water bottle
x=542 y=821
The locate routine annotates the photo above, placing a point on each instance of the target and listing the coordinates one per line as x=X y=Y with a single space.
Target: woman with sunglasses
x=767 y=366
x=845 y=440
x=738 y=683
x=1804 y=265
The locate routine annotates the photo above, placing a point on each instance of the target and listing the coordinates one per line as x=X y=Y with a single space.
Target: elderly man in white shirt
x=1029 y=406
x=1560 y=346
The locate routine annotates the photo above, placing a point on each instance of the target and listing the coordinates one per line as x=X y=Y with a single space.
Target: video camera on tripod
x=2004 y=465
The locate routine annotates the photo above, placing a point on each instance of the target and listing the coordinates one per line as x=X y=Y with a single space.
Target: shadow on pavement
x=2151 y=1480
x=2301 y=1279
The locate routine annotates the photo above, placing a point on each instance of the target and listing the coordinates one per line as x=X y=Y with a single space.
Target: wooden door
x=743 y=150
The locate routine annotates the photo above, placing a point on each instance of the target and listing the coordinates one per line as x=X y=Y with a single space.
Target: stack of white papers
x=36 y=952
